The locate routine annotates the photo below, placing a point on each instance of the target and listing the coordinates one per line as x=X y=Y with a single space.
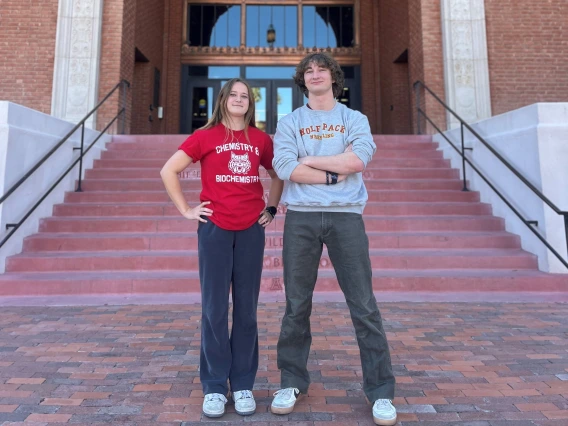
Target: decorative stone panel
x=466 y=66
x=77 y=59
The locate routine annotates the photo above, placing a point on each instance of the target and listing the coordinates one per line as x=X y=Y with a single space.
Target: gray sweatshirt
x=307 y=132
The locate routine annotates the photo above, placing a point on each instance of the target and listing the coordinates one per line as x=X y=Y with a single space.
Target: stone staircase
x=122 y=235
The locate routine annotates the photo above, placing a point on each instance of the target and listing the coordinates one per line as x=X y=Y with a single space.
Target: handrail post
x=566 y=229
x=79 y=189
x=123 y=121
x=463 y=159
x=419 y=130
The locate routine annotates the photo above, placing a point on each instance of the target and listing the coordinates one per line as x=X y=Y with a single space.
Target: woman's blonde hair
x=221 y=114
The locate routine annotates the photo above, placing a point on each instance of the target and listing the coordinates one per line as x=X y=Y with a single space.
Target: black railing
x=13 y=227
x=464 y=125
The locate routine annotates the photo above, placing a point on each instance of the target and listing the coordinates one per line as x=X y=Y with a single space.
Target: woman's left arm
x=276 y=188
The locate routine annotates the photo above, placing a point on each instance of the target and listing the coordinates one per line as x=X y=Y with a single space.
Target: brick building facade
x=395 y=44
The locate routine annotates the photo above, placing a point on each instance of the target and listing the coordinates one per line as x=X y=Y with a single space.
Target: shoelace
x=286 y=393
x=215 y=397
x=246 y=394
x=385 y=402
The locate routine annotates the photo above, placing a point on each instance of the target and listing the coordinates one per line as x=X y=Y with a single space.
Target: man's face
x=318 y=79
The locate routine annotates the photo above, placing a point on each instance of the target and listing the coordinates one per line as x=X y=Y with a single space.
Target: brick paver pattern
x=456 y=364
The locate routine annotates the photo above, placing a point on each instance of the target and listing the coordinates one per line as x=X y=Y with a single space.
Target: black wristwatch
x=333 y=178
x=330 y=178
x=272 y=210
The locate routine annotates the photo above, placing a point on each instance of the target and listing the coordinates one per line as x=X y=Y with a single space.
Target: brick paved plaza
x=474 y=364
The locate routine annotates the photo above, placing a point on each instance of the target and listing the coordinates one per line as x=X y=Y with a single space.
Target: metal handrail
x=463 y=124
x=14 y=226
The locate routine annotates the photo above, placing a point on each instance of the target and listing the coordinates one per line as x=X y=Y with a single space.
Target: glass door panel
x=261 y=99
x=287 y=97
x=284 y=102
x=201 y=106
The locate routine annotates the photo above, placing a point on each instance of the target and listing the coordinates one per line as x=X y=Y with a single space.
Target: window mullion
x=300 y=16
x=213 y=29
x=284 y=7
x=327 y=25
x=341 y=25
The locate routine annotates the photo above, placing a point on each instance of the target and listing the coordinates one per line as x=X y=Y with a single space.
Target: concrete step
x=374 y=195
x=128 y=185
x=372 y=208
x=127 y=224
x=176 y=138
x=55 y=242
x=385 y=173
x=172 y=146
x=375 y=163
x=116 y=282
x=180 y=260
x=164 y=154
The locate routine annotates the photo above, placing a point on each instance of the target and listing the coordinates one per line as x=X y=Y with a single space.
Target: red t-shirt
x=229 y=173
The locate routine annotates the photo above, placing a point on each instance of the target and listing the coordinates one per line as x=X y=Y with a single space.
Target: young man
x=320 y=151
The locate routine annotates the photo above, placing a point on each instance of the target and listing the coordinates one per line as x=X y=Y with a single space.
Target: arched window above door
x=254 y=26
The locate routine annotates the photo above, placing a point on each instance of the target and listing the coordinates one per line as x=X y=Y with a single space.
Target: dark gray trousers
x=227 y=257
x=348 y=247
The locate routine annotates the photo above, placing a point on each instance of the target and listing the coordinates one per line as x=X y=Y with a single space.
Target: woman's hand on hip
x=196 y=212
x=265 y=218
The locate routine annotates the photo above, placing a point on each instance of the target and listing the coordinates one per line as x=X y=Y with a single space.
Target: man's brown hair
x=325 y=61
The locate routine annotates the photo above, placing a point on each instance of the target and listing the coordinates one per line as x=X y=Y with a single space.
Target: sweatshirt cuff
x=362 y=155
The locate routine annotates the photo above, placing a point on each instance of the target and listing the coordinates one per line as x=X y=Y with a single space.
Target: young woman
x=232 y=217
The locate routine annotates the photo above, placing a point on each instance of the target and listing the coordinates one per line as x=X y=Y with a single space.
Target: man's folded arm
x=286 y=162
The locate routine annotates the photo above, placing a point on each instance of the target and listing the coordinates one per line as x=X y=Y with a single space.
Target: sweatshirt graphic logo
x=239 y=164
x=315 y=131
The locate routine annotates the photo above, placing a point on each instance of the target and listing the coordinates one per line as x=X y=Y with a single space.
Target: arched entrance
x=262 y=43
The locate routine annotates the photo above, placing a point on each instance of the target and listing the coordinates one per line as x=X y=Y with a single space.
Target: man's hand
x=196 y=212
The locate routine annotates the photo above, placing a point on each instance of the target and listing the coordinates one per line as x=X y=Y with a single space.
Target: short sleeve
x=267 y=153
x=192 y=147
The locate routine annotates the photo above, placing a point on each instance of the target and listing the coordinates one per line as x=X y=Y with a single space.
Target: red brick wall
x=117 y=57
x=394 y=77
x=149 y=41
x=426 y=61
x=415 y=51
x=27 y=52
x=142 y=98
x=369 y=69
x=172 y=77
x=527 y=44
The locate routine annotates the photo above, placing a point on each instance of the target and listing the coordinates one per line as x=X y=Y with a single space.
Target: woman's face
x=238 y=102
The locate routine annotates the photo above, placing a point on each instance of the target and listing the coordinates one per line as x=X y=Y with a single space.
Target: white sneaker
x=244 y=402
x=384 y=413
x=284 y=401
x=214 y=405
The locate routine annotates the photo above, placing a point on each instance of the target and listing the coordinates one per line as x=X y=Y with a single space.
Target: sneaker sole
x=246 y=413
x=383 y=422
x=278 y=410
x=213 y=416
x=286 y=410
